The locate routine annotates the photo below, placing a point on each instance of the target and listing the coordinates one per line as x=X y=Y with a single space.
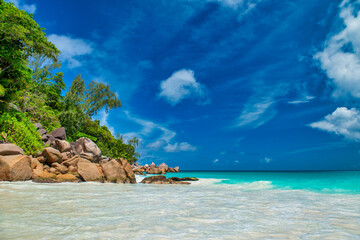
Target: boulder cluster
x=79 y=161
x=63 y=162
x=58 y=133
x=153 y=169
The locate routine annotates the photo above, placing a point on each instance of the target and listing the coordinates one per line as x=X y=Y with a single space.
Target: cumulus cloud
x=216 y=160
x=180 y=85
x=71 y=48
x=340 y=58
x=342 y=121
x=30 y=8
x=179 y=147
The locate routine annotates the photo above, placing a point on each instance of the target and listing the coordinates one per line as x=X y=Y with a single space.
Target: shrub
x=16 y=128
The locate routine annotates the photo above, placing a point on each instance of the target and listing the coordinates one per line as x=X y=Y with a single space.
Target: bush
x=16 y=128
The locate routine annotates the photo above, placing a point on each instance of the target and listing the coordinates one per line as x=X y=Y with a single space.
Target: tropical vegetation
x=32 y=90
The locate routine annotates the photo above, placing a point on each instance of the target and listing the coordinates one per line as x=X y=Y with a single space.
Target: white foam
x=257 y=185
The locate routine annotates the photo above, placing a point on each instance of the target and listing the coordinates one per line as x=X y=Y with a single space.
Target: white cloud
x=71 y=49
x=256 y=114
x=182 y=147
x=244 y=7
x=30 y=8
x=302 y=100
x=216 y=160
x=180 y=85
x=166 y=139
x=342 y=121
x=267 y=160
x=341 y=65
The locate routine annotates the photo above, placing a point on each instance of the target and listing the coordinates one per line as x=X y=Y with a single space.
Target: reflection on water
x=204 y=210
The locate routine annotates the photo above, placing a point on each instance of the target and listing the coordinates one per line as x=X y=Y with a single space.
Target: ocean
x=221 y=205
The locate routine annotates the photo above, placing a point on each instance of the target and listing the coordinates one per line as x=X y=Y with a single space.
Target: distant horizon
x=218 y=84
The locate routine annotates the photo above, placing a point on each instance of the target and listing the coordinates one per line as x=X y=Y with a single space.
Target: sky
x=220 y=84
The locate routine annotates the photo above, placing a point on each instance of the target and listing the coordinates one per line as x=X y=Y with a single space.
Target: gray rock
x=42 y=131
x=59 y=133
x=38 y=126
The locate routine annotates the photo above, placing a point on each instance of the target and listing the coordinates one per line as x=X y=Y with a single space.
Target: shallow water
x=222 y=205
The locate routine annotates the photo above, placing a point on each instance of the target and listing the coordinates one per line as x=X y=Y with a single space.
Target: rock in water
x=15 y=168
x=184 y=179
x=88 y=171
x=52 y=155
x=161 y=179
x=59 y=133
x=113 y=171
x=152 y=179
x=10 y=149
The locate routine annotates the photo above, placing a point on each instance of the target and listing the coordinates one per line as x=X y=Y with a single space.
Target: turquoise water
x=319 y=181
x=221 y=205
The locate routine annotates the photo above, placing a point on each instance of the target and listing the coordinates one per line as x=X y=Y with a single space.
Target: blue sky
x=220 y=84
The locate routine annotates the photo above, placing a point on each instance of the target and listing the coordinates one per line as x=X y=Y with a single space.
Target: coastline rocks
x=161 y=179
x=15 y=168
x=62 y=145
x=156 y=171
x=87 y=149
x=52 y=155
x=38 y=173
x=88 y=171
x=163 y=166
x=113 y=171
x=67 y=178
x=10 y=149
x=128 y=170
x=72 y=161
x=59 y=167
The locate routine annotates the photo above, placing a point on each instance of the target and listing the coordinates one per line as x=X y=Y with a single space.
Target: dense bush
x=16 y=128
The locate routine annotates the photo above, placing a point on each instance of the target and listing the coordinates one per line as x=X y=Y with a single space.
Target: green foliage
x=37 y=110
x=80 y=135
x=16 y=128
x=20 y=38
